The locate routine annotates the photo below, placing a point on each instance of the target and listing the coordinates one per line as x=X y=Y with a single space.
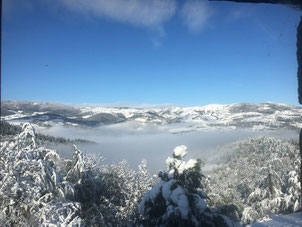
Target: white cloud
x=150 y=14
x=145 y=13
x=195 y=14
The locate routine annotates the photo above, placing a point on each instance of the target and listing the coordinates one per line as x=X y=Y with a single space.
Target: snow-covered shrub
x=123 y=189
x=178 y=199
x=109 y=195
x=32 y=191
x=38 y=188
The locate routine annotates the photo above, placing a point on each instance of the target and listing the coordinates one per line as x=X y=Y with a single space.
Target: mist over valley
x=134 y=134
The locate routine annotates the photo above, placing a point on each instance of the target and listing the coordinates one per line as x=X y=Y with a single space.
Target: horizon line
x=141 y=105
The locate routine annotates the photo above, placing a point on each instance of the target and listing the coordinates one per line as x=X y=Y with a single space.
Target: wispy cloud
x=195 y=14
x=150 y=14
x=145 y=13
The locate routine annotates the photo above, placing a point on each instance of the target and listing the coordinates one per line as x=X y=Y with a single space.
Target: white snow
x=199 y=203
x=87 y=116
x=207 y=117
x=166 y=190
x=191 y=163
x=154 y=192
x=177 y=164
x=170 y=160
x=179 y=197
x=180 y=151
x=257 y=117
x=289 y=220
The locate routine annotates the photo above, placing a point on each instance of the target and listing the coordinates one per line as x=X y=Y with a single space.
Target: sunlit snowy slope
x=289 y=220
x=261 y=116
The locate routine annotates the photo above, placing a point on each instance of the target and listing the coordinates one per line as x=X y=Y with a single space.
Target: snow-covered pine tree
x=178 y=199
x=266 y=198
x=293 y=192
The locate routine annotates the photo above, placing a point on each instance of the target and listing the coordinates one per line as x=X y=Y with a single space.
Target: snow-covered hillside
x=263 y=116
x=258 y=175
x=289 y=220
x=39 y=188
x=255 y=178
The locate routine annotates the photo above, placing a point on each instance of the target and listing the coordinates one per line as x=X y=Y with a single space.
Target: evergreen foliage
x=38 y=188
x=8 y=130
x=178 y=199
x=258 y=175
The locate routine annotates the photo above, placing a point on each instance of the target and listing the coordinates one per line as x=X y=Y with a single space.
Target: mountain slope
x=262 y=116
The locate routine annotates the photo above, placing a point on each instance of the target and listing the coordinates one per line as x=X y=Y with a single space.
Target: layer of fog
x=153 y=143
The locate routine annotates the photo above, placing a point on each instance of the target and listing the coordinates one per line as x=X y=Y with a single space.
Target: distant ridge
x=254 y=116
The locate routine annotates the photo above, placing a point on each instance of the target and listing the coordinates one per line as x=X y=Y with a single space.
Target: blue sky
x=148 y=52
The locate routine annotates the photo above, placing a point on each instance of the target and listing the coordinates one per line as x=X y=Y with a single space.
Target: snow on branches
x=258 y=175
x=178 y=199
x=39 y=188
x=32 y=189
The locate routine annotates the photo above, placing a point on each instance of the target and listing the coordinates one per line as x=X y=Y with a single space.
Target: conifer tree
x=178 y=199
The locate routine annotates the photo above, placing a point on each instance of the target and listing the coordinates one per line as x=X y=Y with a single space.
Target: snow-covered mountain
x=262 y=116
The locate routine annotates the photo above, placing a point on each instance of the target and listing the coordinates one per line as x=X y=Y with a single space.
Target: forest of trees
x=8 y=130
x=258 y=175
x=38 y=187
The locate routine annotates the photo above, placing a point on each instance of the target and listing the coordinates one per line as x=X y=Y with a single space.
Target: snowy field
x=290 y=220
x=152 y=143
